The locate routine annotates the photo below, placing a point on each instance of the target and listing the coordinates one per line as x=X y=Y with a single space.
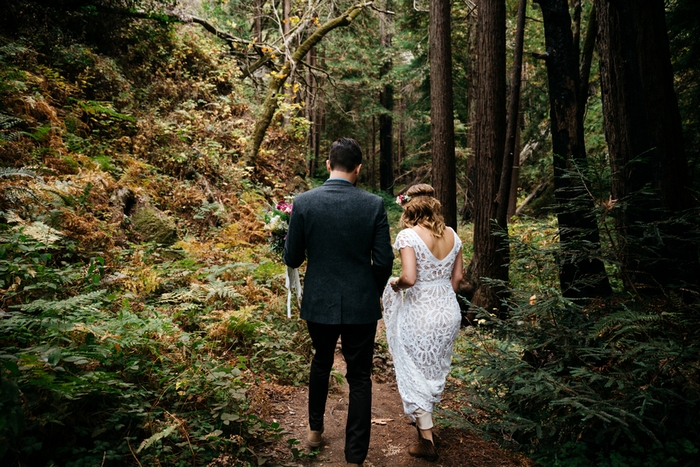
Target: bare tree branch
x=278 y=79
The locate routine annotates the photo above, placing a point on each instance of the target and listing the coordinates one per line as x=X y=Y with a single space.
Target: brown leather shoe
x=314 y=439
x=425 y=449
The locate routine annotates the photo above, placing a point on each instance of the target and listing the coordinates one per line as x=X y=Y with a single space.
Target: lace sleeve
x=403 y=239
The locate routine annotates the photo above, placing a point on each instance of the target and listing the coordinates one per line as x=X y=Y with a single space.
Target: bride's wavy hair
x=422 y=208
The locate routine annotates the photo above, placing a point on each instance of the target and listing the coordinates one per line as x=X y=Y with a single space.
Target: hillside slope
x=142 y=309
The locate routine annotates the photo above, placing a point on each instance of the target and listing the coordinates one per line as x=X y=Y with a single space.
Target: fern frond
x=202 y=293
x=222 y=290
x=90 y=301
x=9 y=172
x=8 y=121
x=626 y=322
x=14 y=195
x=194 y=293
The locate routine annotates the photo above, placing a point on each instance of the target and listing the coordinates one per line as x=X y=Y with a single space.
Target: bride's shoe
x=423 y=448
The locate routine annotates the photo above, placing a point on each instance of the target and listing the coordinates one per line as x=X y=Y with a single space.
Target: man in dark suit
x=343 y=232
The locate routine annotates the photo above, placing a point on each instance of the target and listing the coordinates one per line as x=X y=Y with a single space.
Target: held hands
x=394 y=283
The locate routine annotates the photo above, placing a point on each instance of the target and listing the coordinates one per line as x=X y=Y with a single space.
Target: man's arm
x=295 y=243
x=382 y=254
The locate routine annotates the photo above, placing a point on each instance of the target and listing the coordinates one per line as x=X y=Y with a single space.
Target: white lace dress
x=422 y=323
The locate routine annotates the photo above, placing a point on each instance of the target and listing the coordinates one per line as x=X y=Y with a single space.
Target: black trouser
x=358 y=351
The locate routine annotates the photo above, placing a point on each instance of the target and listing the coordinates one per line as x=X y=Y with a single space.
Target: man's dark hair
x=345 y=155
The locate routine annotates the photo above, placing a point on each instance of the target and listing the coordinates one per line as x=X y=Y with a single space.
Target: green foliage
x=114 y=353
x=101 y=379
x=27 y=268
x=299 y=453
x=7 y=122
x=607 y=383
x=15 y=195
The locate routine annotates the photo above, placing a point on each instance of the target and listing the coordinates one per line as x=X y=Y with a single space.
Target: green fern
x=14 y=195
x=89 y=302
x=6 y=123
x=202 y=293
x=221 y=289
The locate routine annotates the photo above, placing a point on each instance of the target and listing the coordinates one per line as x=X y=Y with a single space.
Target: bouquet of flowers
x=277 y=225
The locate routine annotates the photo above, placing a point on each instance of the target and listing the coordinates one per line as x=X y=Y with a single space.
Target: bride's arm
x=408 y=270
x=457 y=271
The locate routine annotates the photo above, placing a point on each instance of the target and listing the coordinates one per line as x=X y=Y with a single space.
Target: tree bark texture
x=586 y=61
x=644 y=135
x=277 y=80
x=386 y=122
x=515 y=173
x=467 y=211
x=313 y=107
x=504 y=190
x=442 y=133
x=386 y=140
x=257 y=22
x=374 y=152
x=286 y=13
x=489 y=145
x=581 y=273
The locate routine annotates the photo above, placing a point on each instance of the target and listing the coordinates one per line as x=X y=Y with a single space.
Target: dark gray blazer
x=344 y=233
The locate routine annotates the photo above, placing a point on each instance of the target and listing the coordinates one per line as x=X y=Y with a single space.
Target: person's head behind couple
x=420 y=207
x=345 y=159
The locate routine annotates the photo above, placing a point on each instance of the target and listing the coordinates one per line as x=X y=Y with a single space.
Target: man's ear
x=357 y=170
x=328 y=165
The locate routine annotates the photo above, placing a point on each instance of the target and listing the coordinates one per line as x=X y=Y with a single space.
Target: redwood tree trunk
x=441 y=111
x=586 y=61
x=467 y=211
x=386 y=141
x=515 y=174
x=504 y=190
x=312 y=101
x=386 y=124
x=286 y=13
x=489 y=145
x=581 y=274
x=257 y=22
x=645 y=140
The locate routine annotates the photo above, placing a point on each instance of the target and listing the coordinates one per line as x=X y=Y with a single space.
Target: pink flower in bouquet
x=284 y=207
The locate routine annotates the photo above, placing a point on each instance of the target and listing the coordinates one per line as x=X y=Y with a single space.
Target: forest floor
x=392 y=431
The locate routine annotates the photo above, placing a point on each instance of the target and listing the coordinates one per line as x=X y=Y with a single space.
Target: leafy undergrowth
x=116 y=349
x=605 y=382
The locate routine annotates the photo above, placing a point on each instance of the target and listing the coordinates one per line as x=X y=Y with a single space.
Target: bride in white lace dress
x=421 y=312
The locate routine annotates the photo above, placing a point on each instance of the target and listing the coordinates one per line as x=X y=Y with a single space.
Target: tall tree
x=467 y=210
x=504 y=187
x=586 y=61
x=645 y=139
x=258 y=20
x=286 y=16
x=441 y=111
x=489 y=146
x=313 y=109
x=581 y=272
x=386 y=98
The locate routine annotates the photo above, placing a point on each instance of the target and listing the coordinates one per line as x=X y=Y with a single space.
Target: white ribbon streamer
x=293 y=283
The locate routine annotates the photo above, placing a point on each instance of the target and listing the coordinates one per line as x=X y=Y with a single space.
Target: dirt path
x=392 y=432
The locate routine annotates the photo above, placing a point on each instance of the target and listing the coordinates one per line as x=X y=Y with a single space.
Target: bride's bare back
x=440 y=247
